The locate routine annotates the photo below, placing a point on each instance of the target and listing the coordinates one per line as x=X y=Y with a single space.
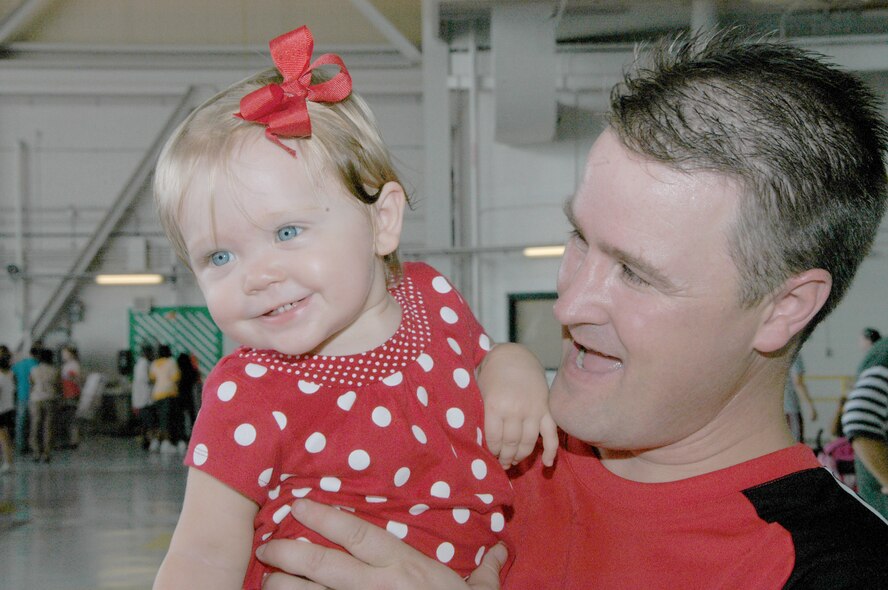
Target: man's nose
x=582 y=292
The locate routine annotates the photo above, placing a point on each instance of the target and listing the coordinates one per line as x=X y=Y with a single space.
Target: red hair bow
x=282 y=107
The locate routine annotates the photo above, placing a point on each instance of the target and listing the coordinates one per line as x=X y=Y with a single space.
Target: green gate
x=184 y=329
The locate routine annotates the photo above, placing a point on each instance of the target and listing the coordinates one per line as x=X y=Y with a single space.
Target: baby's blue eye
x=221 y=257
x=288 y=232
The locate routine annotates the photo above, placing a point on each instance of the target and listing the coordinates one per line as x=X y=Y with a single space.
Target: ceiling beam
x=134 y=186
x=388 y=30
x=19 y=19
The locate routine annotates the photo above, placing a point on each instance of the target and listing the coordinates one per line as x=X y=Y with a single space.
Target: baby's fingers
x=549 y=432
x=493 y=432
x=512 y=439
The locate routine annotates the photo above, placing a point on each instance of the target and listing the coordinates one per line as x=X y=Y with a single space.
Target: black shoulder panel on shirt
x=839 y=541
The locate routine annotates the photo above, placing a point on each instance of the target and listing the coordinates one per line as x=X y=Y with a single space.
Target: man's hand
x=375 y=560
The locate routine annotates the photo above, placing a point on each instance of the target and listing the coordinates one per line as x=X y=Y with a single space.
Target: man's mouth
x=596 y=360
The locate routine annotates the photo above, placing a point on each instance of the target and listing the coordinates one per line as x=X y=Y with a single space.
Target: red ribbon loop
x=282 y=107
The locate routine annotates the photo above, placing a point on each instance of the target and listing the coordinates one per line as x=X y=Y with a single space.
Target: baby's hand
x=516 y=404
x=512 y=429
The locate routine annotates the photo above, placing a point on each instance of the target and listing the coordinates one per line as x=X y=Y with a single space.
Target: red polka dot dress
x=393 y=434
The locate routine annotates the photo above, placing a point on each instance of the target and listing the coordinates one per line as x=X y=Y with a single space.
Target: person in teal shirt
x=22 y=373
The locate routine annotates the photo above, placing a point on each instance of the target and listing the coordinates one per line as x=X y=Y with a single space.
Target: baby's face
x=284 y=261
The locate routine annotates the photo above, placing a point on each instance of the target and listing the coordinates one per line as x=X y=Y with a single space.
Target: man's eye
x=219 y=258
x=288 y=232
x=631 y=277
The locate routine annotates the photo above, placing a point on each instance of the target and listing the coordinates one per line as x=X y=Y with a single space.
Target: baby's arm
x=213 y=539
x=516 y=409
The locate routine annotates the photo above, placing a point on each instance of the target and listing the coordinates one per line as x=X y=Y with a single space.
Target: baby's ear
x=388 y=217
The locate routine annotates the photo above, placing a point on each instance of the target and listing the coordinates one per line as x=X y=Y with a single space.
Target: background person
x=712 y=231
x=164 y=376
x=7 y=409
x=72 y=382
x=44 y=395
x=22 y=372
x=865 y=423
x=797 y=389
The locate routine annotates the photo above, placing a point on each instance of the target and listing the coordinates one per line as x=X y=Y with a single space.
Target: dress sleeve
x=444 y=295
x=236 y=436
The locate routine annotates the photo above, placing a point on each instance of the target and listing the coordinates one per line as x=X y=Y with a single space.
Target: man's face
x=657 y=345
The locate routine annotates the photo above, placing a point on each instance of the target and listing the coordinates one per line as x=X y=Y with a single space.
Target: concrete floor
x=95 y=518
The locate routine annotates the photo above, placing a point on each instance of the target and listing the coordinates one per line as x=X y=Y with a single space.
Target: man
x=22 y=372
x=721 y=216
x=865 y=423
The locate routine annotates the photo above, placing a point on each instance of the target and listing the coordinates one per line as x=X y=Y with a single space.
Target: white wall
x=86 y=131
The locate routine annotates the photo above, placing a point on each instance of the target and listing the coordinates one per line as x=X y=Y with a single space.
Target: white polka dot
x=486 y=498
x=226 y=391
x=301 y=492
x=273 y=494
x=347 y=400
x=281 y=419
x=441 y=285
x=375 y=499
x=484 y=342
x=381 y=416
x=393 y=379
x=401 y=476
x=479 y=469
x=200 y=454
x=461 y=515
x=448 y=315
x=398 y=529
x=331 y=484
x=454 y=345
x=315 y=443
x=308 y=387
x=418 y=509
x=480 y=555
x=422 y=395
x=359 y=460
x=419 y=434
x=440 y=489
x=281 y=513
x=245 y=435
x=461 y=378
x=497 y=522
x=254 y=370
x=426 y=362
x=266 y=535
x=265 y=477
x=455 y=418
x=445 y=552
x=479 y=437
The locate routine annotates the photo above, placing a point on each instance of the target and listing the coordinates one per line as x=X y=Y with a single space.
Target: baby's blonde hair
x=345 y=141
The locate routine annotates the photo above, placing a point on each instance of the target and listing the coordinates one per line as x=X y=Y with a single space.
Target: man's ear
x=792 y=308
x=388 y=217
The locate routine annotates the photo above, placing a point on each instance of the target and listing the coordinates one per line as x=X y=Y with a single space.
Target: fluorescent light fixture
x=130 y=279
x=544 y=251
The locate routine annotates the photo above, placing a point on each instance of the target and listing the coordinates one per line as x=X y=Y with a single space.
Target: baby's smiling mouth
x=283 y=308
